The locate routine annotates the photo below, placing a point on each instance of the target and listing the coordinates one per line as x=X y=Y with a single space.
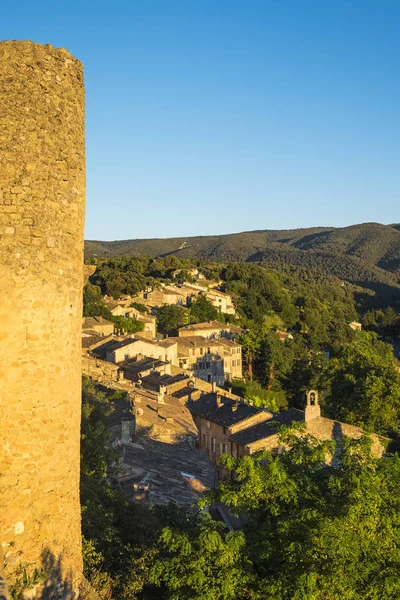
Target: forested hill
x=366 y=252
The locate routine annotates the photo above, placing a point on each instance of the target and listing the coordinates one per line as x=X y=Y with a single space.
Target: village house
x=164 y=383
x=218 y=418
x=166 y=295
x=223 y=302
x=120 y=350
x=211 y=329
x=284 y=335
x=213 y=360
x=99 y=370
x=132 y=313
x=99 y=325
x=134 y=369
x=236 y=428
x=193 y=273
x=355 y=326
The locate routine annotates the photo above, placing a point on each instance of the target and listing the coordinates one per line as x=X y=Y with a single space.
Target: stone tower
x=42 y=202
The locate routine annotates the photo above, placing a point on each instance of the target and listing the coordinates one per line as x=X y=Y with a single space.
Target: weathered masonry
x=42 y=201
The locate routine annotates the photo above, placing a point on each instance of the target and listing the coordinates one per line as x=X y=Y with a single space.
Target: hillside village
x=179 y=414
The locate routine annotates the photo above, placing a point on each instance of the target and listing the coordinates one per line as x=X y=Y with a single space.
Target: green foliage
x=127 y=324
x=171 y=317
x=93 y=306
x=96 y=452
x=201 y=310
x=311 y=530
x=25 y=580
x=206 y=564
x=275 y=401
x=317 y=532
x=120 y=539
x=364 y=386
x=140 y=307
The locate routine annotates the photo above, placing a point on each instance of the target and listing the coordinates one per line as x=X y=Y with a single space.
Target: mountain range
x=369 y=252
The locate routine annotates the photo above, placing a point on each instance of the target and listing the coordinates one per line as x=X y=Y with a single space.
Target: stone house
x=132 y=313
x=355 y=326
x=164 y=383
x=211 y=329
x=213 y=360
x=99 y=370
x=284 y=335
x=166 y=295
x=218 y=418
x=99 y=325
x=120 y=350
x=225 y=427
x=135 y=369
x=221 y=301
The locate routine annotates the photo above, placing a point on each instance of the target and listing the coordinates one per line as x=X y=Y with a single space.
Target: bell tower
x=313 y=409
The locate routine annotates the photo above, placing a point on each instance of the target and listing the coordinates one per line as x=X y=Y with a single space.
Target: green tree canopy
x=201 y=310
x=171 y=317
x=364 y=386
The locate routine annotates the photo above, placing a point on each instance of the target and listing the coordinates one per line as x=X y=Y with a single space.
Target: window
x=223 y=449
x=205 y=440
x=208 y=424
x=213 y=444
x=201 y=350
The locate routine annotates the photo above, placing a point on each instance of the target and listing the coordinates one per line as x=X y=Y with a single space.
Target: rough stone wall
x=42 y=197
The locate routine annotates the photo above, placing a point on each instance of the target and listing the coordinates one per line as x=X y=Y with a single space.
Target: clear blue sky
x=217 y=116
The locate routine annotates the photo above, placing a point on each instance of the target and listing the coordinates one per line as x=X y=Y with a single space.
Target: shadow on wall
x=48 y=582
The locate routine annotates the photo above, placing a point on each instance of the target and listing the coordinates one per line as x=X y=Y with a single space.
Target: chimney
x=101 y=319
x=235 y=406
x=160 y=398
x=214 y=386
x=218 y=400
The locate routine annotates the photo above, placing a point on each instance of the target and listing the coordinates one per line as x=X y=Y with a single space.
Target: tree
x=364 y=386
x=251 y=342
x=127 y=324
x=201 y=310
x=93 y=306
x=312 y=530
x=171 y=317
x=209 y=563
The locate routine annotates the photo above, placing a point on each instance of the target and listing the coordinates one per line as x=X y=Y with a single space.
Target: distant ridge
x=365 y=252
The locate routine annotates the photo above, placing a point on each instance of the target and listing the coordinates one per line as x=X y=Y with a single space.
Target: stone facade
x=213 y=360
x=42 y=202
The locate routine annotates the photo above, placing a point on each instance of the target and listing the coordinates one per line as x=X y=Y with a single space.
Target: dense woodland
x=366 y=254
x=313 y=532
